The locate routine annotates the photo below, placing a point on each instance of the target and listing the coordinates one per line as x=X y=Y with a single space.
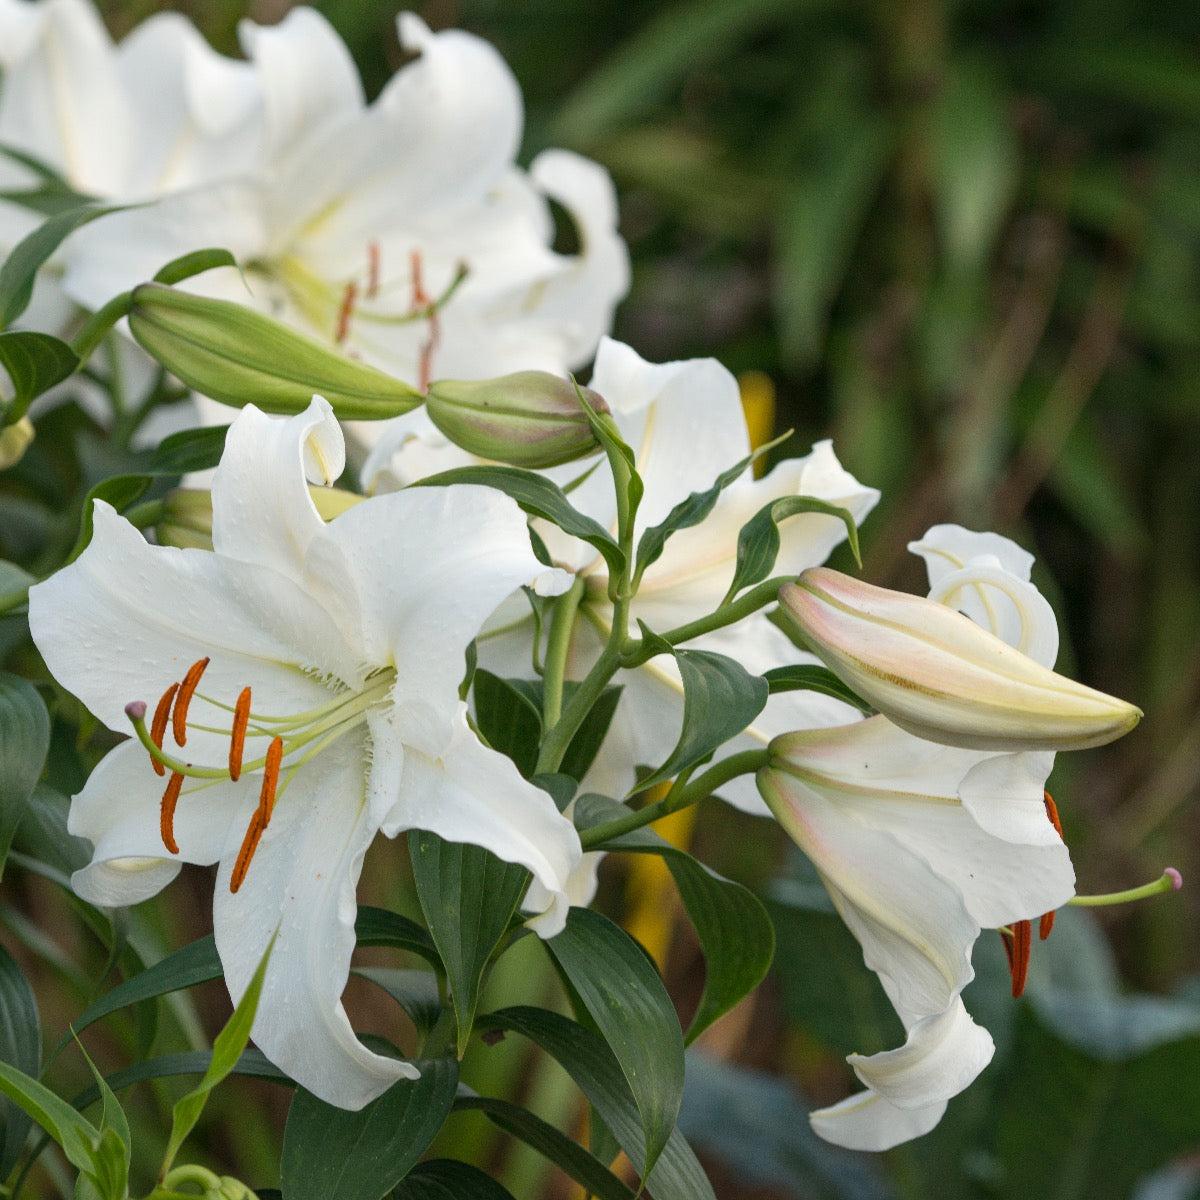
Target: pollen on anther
x=1052 y=813
x=266 y=798
x=1018 y=953
x=237 y=740
x=166 y=821
x=158 y=726
x=183 y=700
x=345 y=312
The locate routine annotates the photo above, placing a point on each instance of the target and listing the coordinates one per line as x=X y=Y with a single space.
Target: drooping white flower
x=325 y=662
x=401 y=231
x=921 y=845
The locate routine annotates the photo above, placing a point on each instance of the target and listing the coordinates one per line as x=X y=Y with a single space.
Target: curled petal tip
x=1174 y=876
x=135 y=710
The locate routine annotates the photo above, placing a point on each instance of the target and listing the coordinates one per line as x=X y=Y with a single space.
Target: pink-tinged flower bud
x=239 y=356
x=529 y=419
x=940 y=676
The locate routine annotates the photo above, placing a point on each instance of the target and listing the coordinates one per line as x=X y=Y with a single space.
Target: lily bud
x=187 y=514
x=938 y=675
x=529 y=419
x=14 y=441
x=239 y=356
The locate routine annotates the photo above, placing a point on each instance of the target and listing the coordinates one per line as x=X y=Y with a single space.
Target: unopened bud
x=940 y=676
x=14 y=441
x=187 y=520
x=530 y=419
x=239 y=356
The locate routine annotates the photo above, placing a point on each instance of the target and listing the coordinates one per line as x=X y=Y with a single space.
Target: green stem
x=728 y=614
x=97 y=326
x=14 y=599
x=558 y=647
x=559 y=736
x=698 y=789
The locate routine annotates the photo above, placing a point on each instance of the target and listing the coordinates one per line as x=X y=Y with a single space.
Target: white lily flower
x=402 y=231
x=330 y=658
x=921 y=845
x=685 y=423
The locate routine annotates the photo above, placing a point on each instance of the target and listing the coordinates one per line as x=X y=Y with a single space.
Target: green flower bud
x=187 y=519
x=528 y=419
x=14 y=441
x=239 y=356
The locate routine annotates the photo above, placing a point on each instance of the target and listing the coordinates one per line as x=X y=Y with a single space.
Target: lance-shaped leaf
x=449 y=1179
x=468 y=896
x=21 y=1046
x=734 y=929
x=189 y=450
x=332 y=1154
x=227 y=1049
x=720 y=698
x=120 y=491
x=31 y=253
x=623 y=994
x=797 y=677
x=35 y=362
x=24 y=740
x=592 y=1065
x=539 y=498
x=692 y=510
x=758 y=541
x=577 y=1162
x=416 y=992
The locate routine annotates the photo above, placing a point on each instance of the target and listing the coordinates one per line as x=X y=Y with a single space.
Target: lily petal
x=866 y=1121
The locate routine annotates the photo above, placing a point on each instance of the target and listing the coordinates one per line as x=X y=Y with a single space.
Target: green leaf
x=21 y=1046
x=591 y=1064
x=252 y=1064
x=468 y=896
x=113 y=1151
x=227 y=1049
x=24 y=741
x=189 y=450
x=415 y=991
x=540 y=498
x=758 y=541
x=198 y=261
x=35 y=362
x=690 y=511
x=1110 y=1088
x=623 y=994
x=720 y=698
x=72 y=1132
x=43 y=170
x=196 y=963
x=797 y=677
x=21 y=267
x=379 y=927
x=120 y=491
x=581 y=1166
x=449 y=1179
x=735 y=932
x=332 y=1154
x=589 y=737
x=510 y=718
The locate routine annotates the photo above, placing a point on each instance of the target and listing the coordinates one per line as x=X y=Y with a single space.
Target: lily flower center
x=278 y=746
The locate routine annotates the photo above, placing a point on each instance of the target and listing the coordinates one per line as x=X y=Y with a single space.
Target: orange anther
x=166 y=820
x=421 y=299
x=1052 y=813
x=158 y=727
x=345 y=312
x=184 y=699
x=1045 y=925
x=1017 y=949
x=237 y=741
x=262 y=814
x=372 y=269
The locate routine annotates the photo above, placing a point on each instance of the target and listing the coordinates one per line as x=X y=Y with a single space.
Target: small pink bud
x=135 y=710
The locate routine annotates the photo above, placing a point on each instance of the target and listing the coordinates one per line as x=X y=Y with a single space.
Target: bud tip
x=1174 y=876
x=135 y=710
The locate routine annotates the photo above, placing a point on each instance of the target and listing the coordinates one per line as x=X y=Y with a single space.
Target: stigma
x=287 y=743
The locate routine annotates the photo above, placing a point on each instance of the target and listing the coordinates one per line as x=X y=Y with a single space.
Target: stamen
x=166 y=820
x=262 y=815
x=1169 y=881
x=158 y=727
x=1046 y=925
x=1018 y=955
x=237 y=740
x=422 y=300
x=184 y=698
x=1052 y=813
x=372 y=269
x=345 y=312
